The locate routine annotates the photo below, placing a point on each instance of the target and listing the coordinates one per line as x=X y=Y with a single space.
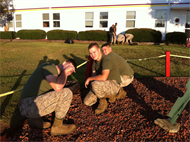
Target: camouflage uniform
x=34 y=107
x=126 y=80
x=99 y=89
x=109 y=87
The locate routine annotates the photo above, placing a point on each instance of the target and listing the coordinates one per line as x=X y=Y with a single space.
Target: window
x=10 y=24
x=103 y=19
x=10 y=20
x=46 y=20
x=18 y=21
x=130 y=18
x=187 y=25
x=160 y=18
x=56 y=20
x=89 y=19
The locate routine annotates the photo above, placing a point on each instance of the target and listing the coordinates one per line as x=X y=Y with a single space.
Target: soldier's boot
x=75 y=88
x=102 y=106
x=121 y=94
x=167 y=125
x=112 y=99
x=59 y=128
x=38 y=123
x=122 y=43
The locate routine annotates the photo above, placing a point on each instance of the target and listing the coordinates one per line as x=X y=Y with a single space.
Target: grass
x=20 y=59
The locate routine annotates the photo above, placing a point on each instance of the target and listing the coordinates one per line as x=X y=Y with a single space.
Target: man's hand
x=69 y=69
x=87 y=82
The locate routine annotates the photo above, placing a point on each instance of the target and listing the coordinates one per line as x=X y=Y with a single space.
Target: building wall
x=72 y=14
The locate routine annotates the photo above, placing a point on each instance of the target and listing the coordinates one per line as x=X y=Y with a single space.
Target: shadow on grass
x=6 y=42
x=138 y=75
x=45 y=59
x=80 y=72
x=7 y=100
x=17 y=120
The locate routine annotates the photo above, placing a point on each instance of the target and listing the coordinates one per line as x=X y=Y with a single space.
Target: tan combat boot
x=38 y=123
x=102 y=106
x=121 y=94
x=112 y=99
x=59 y=128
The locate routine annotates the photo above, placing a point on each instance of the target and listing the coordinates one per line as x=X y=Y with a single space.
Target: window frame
x=89 y=20
x=18 y=21
x=45 y=20
x=187 y=26
x=56 y=20
x=163 y=20
x=103 y=20
x=130 y=19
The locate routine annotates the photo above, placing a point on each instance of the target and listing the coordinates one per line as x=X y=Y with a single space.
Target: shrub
x=95 y=35
x=176 y=38
x=145 y=35
x=31 y=34
x=8 y=35
x=61 y=34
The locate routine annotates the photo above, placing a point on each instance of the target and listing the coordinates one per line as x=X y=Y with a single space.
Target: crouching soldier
x=104 y=81
x=43 y=94
x=125 y=71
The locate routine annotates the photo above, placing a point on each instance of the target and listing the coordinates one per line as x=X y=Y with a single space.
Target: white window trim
x=45 y=20
x=18 y=20
x=57 y=20
x=103 y=19
x=130 y=19
x=89 y=19
x=164 y=19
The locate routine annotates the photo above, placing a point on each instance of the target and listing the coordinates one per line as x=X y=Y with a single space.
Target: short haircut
x=92 y=45
x=73 y=62
x=106 y=44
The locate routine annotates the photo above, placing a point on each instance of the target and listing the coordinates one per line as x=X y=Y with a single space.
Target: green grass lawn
x=20 y=59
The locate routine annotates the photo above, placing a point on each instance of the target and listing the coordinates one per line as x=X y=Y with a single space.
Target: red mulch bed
x=129 y=119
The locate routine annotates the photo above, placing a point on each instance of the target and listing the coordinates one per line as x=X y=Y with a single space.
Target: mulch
x=129 y=119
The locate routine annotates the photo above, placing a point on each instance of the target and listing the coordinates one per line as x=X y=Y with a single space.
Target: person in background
x=6 y=28
x=121 y=38
x=44 y=93
x=115 y=33
x=111 y=33
x=125 y=71
x=129 y=38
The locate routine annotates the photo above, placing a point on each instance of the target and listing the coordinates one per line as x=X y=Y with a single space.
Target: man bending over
x=43 y=94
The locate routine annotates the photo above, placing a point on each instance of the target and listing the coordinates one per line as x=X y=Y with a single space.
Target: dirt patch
x=129 y=119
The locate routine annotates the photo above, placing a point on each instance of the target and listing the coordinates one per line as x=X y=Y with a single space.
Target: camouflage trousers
x=99 y=89
x=34 y=107
x=126 y=80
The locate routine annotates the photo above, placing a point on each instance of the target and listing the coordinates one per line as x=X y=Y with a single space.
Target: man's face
x=106 y=50
x=95 y=53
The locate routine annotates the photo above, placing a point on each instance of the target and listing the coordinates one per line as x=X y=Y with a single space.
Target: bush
x=31 y=34
x=176 y=38
x=61 y=34
x=95 y=35
x=145 y=35
x=8 y=35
